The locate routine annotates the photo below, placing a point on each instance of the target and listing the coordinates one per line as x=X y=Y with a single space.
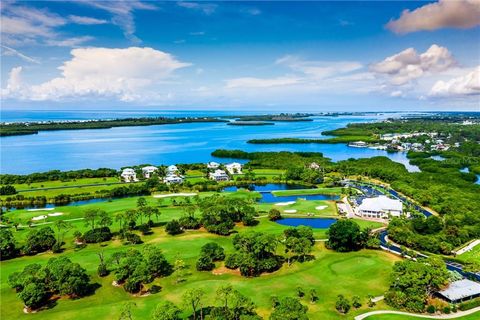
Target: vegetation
x=345 y=235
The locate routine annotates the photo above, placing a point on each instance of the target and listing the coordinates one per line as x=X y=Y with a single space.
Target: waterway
x=164 y=144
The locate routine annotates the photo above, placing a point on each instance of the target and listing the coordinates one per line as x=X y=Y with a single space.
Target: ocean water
x=163 y=144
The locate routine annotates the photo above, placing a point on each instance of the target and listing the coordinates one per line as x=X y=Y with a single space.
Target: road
x=425 y=316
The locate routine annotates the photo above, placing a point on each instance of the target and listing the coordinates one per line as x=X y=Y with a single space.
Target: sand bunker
x=174 y=195
x=39 y=218
x=320 y=207
x=290 y=211
x=41 y=209
x=285 y=203
x=55 y=214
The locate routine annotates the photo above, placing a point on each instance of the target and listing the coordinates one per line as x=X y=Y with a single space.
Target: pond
x=318 y=223
x=266 y=187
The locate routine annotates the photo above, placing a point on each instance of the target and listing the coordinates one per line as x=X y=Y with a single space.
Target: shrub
x=205 y=263
x=469 y=305
x=132 y=285
x=342 y=305
x=97 y=235
x=144 y=228
x=274 y=215
x=446 y=310
x=431 y=309
x=214 y=251
x=133 y=238
x=233 y=261
x=300 y=292
x=102 y=270
x=173 y=228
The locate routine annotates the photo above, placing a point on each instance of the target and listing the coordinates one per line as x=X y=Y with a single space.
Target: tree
x=104 y=219
x=173 y=227
x=205 y=263
x=313 y=295
x=126 y=313
x=166 y=310
x=356 y=302
x=62 y=227
x=214 y=251
x=34 y=295
x=193 y=299
x=345 y=235
x=179 y=270
x=91 y=217
x=412 y=282
x=39 y=240
x=66 y=277
x=289 y=309
x=342 y=305
x=7 y=244
x=102 y=269
x=141 y=202
x=274 y=214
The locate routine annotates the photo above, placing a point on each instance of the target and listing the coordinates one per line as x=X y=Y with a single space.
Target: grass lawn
x=471 y=256
x=300 y=192
x=58 y=183
x=474 y=316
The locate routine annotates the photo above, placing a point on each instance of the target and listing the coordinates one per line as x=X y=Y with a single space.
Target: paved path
x=442 y=316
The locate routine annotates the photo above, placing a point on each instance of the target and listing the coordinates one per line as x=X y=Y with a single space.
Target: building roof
x=219 y=173
x=461 y=289
x=380 y=203
x=128 y=170
x=149 y=168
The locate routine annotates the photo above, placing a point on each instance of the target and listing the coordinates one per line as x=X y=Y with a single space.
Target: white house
x=314 y=166
x=381 y=207
x=129 y=175
x=358 y=144
x=173 y=178
x=234 y=167
x=219 y=175
x=148 y=171
x=172 y=169
x=213 y=165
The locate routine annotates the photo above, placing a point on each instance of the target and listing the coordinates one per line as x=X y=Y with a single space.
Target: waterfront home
x=173 y=178
x=381 y=207
x=172 y=169
x=148 y=171
x=129 y=175
x=213 y=165
x=461 y=290
x=234 y=167
x=219 y=175
x=358 y=144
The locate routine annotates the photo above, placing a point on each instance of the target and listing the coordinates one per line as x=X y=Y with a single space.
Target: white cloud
x=443 y=14
x=319 y=69
x=14 y=83
x=408 y=65
x=396 y=93
x=86 y=20
x=120 y=73
x=69 y=42
x=122 y=14
x=12 y=52
x=251 y=82
x=468 y=84
x=206 y=8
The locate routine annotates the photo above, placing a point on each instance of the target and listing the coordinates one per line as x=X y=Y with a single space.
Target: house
x=460 y=290
x=148 y=171
x=129 y=175
x=358 y=144
x=219 y=175
x=314 y=166
x=172 y=169
x=234 y=167
x=173 y=178
x=380 y=207
x=213 y=165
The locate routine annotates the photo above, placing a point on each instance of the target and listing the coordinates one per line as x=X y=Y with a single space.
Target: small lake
x=266 y=187
x=318 y=223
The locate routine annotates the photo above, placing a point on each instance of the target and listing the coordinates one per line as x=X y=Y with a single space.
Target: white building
x=234 y=167
x=148 y=171
x=172 y=169
x=219 y=175
x=358 y=144
x=173 y=178
x=314 y=166
x=381 y=207
x=213 y=165
x=129 y=175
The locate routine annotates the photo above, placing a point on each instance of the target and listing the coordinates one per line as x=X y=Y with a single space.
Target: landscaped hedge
x=469 y=304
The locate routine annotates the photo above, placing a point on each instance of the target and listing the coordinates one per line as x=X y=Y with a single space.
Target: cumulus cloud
x=468 y=84
x=120 y=73
x=408 y=65
x=86 y=20
x=251 y=82
x=443 y=14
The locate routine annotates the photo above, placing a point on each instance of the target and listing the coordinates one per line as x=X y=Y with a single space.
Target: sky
x=241 y=55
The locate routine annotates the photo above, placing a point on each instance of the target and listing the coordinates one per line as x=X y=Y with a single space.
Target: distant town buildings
x=381 y=207
x=129 y=175
x=173 y=178
x=219 y=175
x=213 y=165
x=172 y=169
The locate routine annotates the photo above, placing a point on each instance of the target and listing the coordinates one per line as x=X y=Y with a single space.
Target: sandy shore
x=174 y=195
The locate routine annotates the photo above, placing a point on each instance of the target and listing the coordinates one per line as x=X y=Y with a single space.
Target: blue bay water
x=166 y=144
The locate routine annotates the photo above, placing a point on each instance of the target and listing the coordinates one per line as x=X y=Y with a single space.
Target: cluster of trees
x=209 y=254
x=304 y=174
x=134 y=268
x=219 y=213
x=57 y=175
x=7 y=190
x=35 y=285
x=8 y=247
x=413 y=282
x=99 y=221
x=345 y=235
x=255 y=254
x=298 y=243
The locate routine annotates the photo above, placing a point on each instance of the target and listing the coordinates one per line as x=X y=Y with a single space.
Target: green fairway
x=472 y=255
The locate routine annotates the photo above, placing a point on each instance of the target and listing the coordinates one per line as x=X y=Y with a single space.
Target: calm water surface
x=164 y=144
x=319 y=223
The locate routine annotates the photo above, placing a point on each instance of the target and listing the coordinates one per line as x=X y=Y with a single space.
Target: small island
x=250 y=123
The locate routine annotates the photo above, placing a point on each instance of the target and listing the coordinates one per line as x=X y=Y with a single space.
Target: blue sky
x=315 y=56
